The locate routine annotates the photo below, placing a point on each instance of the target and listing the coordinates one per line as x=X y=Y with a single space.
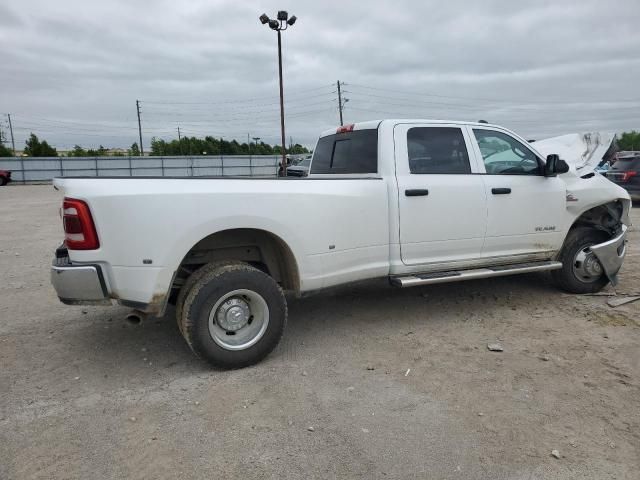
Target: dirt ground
x=395 y=383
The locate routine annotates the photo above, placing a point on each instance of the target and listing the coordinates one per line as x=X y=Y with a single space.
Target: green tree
x=134 y=151
x=77 y=151
x=100 y=152
x=36 y=148
x=629 y=141
x=214 y=146
x=298 y=149
x=5 y=152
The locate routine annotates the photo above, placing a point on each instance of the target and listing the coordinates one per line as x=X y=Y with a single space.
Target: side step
x=459 y=275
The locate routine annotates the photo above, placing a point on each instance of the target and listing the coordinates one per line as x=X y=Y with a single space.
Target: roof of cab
x=372 y=124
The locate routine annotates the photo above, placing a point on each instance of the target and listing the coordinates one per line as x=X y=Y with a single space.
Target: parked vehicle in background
x=415 y=201
x=5 y=177
x=299 y=169
x=626 y=173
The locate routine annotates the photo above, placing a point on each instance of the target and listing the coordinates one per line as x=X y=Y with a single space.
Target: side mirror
x=562 y=166
x=550 y=168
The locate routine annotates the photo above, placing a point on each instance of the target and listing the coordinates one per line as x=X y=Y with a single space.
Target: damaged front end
x=611 y=254
x=613 y=219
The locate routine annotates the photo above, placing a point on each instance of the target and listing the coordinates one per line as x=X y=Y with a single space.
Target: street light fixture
x=282 y=23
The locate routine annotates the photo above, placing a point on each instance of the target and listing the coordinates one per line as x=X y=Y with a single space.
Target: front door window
x=504 y=155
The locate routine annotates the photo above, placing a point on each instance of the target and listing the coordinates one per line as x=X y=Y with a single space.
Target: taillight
x=80 y=232
x=626 y=176
x=345 y=128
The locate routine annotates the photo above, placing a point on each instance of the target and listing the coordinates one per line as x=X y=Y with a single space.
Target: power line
x=70 y=122
x=511 y=102
x=226 y=114
x=233 y=109
x=247 y=100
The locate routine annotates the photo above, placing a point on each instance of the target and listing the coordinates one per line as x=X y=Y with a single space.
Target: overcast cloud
x=71 y=70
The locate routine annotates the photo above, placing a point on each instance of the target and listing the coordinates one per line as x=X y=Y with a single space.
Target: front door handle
x=416 y=192
x=501 y=191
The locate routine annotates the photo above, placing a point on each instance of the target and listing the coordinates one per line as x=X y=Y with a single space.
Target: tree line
x=34 y=147
x=217 y=146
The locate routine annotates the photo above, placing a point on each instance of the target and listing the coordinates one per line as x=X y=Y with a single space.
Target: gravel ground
x=395 y=383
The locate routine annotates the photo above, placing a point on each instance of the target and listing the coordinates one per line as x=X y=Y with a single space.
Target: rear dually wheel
x=232 y=314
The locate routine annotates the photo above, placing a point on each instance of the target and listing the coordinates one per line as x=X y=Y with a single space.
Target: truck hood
x=583 y=151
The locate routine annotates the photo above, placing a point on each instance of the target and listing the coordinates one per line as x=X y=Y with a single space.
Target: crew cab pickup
x=415 y=201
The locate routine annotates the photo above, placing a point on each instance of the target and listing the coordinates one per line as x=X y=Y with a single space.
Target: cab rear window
x=349 y=152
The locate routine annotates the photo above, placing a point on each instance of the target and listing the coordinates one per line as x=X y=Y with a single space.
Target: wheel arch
x=260 y=248
x=606 y=216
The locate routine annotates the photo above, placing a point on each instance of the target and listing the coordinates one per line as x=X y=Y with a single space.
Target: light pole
x=282 y=23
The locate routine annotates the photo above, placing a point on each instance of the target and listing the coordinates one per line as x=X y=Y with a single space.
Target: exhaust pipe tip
x=135 y=317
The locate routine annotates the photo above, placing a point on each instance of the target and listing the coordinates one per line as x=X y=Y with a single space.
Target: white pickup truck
x=415 y=201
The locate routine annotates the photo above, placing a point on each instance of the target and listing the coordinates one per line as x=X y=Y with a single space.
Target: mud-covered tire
x=566 y=278
x=241 y=287
x=194 y=278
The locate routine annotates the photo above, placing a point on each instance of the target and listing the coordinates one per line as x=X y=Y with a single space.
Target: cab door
x=525 y=208
x=442 y=199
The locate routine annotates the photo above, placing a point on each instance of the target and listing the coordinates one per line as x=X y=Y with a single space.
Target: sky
x=71 y=71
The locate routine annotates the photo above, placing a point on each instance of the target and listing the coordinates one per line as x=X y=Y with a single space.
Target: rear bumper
x=611 y=254
x=79 y=284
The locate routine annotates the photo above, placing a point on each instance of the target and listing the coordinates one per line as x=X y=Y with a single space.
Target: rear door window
x=437 y=150
x=350 y=152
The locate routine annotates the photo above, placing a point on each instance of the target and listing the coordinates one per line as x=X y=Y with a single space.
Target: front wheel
x=233 y=315
x=581 y=271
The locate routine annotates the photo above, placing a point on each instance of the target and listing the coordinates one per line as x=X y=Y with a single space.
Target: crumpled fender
x=611 y=254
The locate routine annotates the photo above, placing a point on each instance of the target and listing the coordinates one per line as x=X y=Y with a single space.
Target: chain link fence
x=43 y=169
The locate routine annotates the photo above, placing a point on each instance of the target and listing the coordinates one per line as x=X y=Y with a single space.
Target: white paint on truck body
x=339 y=228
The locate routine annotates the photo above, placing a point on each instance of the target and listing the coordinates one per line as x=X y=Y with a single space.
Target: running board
x=459 y=275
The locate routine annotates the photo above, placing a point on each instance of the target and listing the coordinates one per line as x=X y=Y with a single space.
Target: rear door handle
x=501 y=191
x=416 y=192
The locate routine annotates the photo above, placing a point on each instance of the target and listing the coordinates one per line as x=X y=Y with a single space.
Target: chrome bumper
x=79 y=284
x=611 y=254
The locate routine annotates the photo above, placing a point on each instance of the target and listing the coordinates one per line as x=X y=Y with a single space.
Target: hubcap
x=233 y=314
x=586 y=266
x=238 y=319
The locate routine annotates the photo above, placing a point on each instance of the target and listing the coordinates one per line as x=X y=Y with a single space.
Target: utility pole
x=13 y=142
x=180 y=141
x=139 y=127
x=340 y=102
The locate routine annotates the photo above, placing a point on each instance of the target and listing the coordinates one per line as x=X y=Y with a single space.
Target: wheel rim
x=586 y=267
x=238 y=319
